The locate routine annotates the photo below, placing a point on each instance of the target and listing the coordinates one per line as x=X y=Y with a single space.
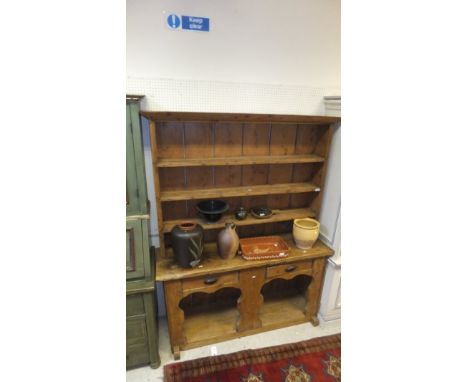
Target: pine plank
x=170 y=140
x=198 y=140
x=291 y=308
x=256 y=175
x=256 y=139
x=209 y=325
x=235 y=117
x=268 y=189
x=239 y=160
x=227 y=139
x=283 y=139
x=280 y=215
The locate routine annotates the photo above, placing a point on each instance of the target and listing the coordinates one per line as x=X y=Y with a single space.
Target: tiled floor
x=271 y=338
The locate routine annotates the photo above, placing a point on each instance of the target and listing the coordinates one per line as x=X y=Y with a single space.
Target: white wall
x=293 y=42
x=267 y=56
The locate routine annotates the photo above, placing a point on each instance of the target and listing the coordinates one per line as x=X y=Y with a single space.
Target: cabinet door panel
x=136 y=181
x=137 y=355
x=137 y=341
x=137 y=250
x=142 y=337
x=135 y=305
x=132 y=184
x=136 y=330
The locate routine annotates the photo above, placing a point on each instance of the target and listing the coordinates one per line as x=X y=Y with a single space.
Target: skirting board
x=330 y=306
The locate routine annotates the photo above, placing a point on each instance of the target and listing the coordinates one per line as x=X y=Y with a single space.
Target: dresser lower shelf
x=208 y=328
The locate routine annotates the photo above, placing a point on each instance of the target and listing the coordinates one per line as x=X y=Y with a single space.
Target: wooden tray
x=263 y=247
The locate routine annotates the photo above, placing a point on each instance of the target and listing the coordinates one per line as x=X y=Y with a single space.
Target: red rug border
x=211 y=364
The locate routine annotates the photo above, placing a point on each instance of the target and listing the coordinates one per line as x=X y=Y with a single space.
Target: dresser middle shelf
x=278 y=216
x=264 y=189
x=239 y=160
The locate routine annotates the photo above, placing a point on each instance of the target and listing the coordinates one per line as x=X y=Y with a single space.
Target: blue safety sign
x=188 y=23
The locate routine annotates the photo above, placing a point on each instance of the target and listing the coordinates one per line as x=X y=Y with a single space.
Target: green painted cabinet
x=137 y=200
x=142 y=336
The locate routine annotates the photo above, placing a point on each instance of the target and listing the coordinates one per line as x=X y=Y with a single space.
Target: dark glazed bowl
x=261 y=212
x=212 y=210
x=240 y=213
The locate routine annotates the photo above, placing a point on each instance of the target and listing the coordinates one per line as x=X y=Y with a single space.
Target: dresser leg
x=175 y=315
x=313 y=291
x=176 y=352
x=315 y=321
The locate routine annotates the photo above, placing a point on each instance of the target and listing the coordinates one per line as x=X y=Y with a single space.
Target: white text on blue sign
x=196 y=23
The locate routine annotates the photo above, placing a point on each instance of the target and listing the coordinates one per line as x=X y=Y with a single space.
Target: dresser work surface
x=167 y=269
x=224 y=299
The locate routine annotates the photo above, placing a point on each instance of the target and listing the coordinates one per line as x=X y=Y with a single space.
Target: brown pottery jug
x=228 y=241
x=187 y=243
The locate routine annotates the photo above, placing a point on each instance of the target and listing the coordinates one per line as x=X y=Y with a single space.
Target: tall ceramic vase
x=228 y=241
x=187 y=243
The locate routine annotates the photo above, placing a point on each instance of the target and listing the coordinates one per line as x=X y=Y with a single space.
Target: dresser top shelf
x=236 y=117
x=212 y=263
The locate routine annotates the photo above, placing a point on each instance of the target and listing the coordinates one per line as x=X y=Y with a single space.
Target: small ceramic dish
x=261 y=212
x=240 y=213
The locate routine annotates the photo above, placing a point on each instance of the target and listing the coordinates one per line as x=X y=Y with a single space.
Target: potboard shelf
x=264 y=189
x=211 y=325
x=292 y=309
x=216 y=326
x=240 y=160
x=278 y=216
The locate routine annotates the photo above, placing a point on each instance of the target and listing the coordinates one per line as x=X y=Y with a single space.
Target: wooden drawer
x=291 y=268
x=211 y=282
x=135 y=305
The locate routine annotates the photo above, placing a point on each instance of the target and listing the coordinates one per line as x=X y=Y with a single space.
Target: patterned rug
x=315 y=360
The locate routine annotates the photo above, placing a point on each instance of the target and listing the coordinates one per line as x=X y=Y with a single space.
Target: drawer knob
x=210 y=280
x=290 y=268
